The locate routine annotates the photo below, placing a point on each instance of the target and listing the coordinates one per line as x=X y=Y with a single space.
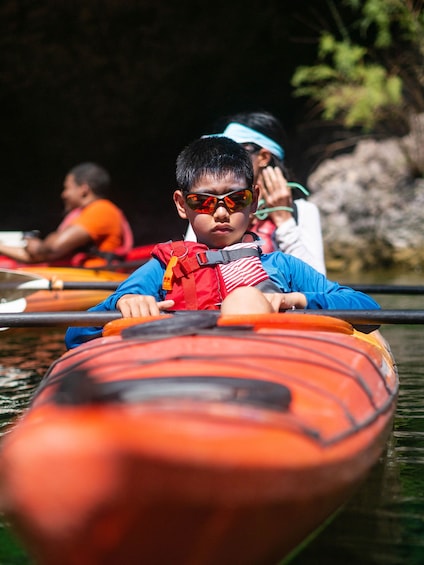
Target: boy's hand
x=136 y=305
x=286 y=301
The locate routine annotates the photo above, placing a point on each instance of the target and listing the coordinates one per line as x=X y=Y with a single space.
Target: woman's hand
x=286 y=301
x=136 y=305
x=276 y=192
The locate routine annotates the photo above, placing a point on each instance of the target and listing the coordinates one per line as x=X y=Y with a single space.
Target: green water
x=383 y=524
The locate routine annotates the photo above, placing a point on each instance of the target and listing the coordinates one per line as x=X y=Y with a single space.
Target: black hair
x=214 y=156
x=97 y=178
x=266 y=123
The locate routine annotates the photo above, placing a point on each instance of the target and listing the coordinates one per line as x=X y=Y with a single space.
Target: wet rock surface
x=372 y=205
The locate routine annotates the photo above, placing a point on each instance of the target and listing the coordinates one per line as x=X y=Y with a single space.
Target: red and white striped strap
x=245 y=271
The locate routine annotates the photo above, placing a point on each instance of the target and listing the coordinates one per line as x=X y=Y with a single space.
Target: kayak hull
x=132 y=260
x=64 y=300
x=53 y=301
x=233 y=444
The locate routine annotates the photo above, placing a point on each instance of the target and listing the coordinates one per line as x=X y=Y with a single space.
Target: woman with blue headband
x=284 y=220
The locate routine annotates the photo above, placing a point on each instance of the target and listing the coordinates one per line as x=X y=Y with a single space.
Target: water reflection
x=383 y=524
x=25 y=356
x=16 y=385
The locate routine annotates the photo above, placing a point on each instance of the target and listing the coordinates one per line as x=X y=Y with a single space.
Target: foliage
x=376 y=77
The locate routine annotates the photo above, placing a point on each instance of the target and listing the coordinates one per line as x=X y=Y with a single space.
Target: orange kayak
x=193 y=439
x=133 y=259
x=63 y=300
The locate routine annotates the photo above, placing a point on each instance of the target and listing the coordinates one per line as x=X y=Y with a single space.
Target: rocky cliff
x=372 y=204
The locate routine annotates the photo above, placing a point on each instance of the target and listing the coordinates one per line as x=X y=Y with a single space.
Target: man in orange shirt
x=93 y=232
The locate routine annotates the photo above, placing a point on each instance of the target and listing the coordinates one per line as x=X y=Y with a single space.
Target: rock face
x=372 y=205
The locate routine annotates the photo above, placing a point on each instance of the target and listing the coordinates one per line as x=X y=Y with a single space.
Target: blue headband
x=243 y=134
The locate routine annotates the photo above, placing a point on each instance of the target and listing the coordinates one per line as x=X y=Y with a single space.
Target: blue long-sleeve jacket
x=287 y=272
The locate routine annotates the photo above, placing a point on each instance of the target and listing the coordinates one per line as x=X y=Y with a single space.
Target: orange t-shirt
x=103 y=221
x=107 y=227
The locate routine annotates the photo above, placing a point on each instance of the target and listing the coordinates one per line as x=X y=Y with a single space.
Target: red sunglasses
x=205 y=203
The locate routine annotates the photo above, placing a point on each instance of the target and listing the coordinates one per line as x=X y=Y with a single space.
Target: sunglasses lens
x=201 y=203
x=238 y=200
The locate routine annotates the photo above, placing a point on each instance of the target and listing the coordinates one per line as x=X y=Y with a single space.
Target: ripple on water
x=16 y=388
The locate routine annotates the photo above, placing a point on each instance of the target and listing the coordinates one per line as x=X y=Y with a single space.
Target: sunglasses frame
x=219 y=199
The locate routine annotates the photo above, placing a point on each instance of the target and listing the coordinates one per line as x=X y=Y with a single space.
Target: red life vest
x=78 y=259
x=199 y=278
x=265 y=230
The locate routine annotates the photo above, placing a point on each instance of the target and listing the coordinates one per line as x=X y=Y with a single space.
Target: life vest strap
x=182 y=269
x=225 y=256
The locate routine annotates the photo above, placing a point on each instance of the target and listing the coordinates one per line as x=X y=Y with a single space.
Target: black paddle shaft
x=355 y=317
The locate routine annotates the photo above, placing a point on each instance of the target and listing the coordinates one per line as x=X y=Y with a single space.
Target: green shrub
x=378 y=80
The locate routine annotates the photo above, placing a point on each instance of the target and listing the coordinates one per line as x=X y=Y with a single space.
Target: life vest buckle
x=224 y=256
x=210 y=257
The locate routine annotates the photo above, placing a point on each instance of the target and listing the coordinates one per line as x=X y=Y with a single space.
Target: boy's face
x=220 y=227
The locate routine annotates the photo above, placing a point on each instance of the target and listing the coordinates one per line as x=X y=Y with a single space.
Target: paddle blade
x=15 y=285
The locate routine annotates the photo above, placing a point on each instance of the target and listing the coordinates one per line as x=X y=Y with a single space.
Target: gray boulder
x=372 y=205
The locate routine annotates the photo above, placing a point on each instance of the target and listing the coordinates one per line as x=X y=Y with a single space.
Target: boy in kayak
x=225 y=268
x=285 y=219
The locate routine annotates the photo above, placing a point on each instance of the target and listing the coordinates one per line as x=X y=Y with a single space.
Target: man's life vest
x=79 y=259
x=199 y=278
